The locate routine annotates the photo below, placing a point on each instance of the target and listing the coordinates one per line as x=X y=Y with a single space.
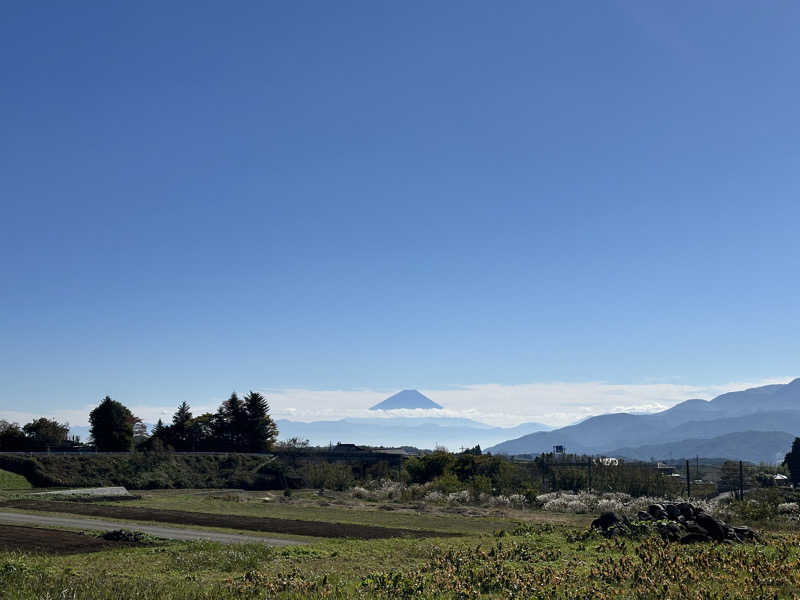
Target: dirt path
x=172 y=533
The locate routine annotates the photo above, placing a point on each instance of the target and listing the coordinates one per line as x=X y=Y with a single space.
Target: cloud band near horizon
x=553 y=403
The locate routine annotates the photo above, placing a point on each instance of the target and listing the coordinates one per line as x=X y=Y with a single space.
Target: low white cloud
x=552 y=403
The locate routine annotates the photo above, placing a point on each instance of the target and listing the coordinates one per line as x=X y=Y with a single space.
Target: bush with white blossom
x=462 y=497
x=583 y=502
x=562 y=501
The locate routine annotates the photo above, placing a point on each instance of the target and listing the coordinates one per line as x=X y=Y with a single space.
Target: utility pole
x=688 y=480
x=590 y=474
x=741 y=481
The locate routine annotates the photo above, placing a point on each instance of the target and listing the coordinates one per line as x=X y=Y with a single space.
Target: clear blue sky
x=199 y=197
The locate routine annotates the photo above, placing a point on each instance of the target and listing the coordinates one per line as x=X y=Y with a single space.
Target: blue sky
x=200 y=197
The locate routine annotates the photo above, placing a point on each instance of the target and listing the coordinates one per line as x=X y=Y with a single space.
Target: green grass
x=545 y=562
x=12 y=481
x=543 y=559
x=342 y=508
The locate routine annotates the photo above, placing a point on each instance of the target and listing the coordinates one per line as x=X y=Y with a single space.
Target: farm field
x=206 y=519
x=341 y=507
x=50 y=541
x=496 y=554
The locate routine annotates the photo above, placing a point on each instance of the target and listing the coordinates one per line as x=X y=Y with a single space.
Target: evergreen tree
x=261 y=429
x=159 y=431
x=112 y=426
x=201 y=432
x=230 y=425
x=181 y=428
x=159 y=440
x=182 y=416
x=792 y=462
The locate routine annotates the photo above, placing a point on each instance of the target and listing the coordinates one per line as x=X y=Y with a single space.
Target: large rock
x=745 y=533
x=716 y=529
x=672 y=510
x=675 y=522
x=693 y=527
x=669 y=531
x=687 y=510
x=608 y=520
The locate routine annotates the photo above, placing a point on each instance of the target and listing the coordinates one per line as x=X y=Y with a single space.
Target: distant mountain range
x=393 y=428
x=753 y=446
x=757 y=424
x=422 y=432
x=396 y=430
x=754 y=424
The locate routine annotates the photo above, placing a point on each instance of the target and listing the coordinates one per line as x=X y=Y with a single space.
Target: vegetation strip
x=266 y=524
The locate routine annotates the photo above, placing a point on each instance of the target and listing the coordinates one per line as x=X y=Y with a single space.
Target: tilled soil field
x=52 y=541
x=265 y=524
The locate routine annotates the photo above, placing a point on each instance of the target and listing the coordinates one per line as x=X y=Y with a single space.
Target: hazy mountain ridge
x=754 y=446
x=422 y=432
x=771 y=408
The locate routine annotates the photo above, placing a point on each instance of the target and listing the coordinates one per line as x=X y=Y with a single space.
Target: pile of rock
x=684 y=523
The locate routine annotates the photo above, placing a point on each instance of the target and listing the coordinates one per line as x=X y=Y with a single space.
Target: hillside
x=772 y=408
x=144 y=471
x=753 y=446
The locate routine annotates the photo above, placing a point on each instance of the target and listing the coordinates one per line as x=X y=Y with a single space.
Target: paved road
x=172 y=533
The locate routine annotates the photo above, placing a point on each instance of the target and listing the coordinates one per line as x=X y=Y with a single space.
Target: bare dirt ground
x=52 y=541
x=265 y=524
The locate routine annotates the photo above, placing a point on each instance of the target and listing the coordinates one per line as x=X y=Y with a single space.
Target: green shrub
x=447 y=483
x=480 y=484
x=331 y=476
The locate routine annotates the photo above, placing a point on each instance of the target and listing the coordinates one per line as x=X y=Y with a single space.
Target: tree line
x=239 y=425
x=40 y=434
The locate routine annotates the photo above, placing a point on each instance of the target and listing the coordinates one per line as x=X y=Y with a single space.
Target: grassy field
x=12 y=481
x=342 y=508
x=499 y=554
